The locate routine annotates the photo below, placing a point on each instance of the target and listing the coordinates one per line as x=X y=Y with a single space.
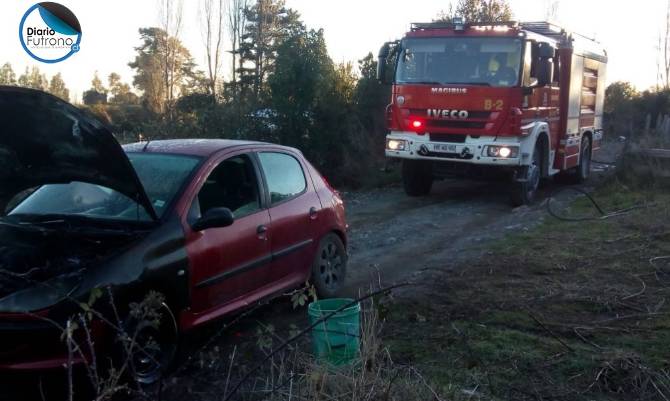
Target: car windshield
x=466 y=61
x=161 y=175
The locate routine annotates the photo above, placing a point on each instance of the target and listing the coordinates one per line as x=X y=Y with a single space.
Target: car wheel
x=524 y=193
x=417 y=177
x=330 y=266
x=152 y=347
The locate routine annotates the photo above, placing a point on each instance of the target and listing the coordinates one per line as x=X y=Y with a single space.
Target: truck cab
x=508 y=101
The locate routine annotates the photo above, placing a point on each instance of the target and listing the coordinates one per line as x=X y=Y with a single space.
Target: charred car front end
x=76 y=217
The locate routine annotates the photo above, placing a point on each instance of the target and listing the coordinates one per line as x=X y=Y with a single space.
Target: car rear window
x=284 y=176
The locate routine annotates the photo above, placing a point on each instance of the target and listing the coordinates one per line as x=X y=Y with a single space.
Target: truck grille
x=455 y=124
x=451 y=138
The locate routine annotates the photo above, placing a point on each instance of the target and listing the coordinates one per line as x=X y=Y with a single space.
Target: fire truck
x=515 y=101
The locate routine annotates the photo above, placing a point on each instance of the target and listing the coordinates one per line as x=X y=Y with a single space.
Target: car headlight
x=40 y=296
x=396 y=144
x=503 y=152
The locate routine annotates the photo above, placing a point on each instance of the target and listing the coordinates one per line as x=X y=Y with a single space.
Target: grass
x=564 y=311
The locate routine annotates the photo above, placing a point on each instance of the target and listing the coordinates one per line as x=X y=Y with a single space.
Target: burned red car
x=213 y=225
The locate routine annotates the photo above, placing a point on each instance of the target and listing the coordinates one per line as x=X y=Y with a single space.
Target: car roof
x=193 y=147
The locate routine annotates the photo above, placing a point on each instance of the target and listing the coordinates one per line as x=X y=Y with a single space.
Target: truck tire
x=417 y=177
x=524 y=192
x=583 y=171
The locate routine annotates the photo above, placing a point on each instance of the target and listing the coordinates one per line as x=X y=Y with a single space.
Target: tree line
x=283 y=87
x=34 y=78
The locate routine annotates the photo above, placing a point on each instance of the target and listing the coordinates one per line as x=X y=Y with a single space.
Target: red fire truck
x=514 y=101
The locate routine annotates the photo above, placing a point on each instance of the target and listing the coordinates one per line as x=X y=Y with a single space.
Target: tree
x=312 y=103
x=212 y=23
x=487 y=11
x=96 y=84
x=618 y=95
x=120 y=91
x=269 y=23
x=236 y=11
x=371 y=98
x=97 y=94
x=621 y=100
x=171 y=49
x=7 y=75
x=663 y=63
x=33 y=78
x=151 y=64
x=303 y=70
x=57 y=87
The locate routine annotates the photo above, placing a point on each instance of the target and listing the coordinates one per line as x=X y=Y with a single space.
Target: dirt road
x=394 y=237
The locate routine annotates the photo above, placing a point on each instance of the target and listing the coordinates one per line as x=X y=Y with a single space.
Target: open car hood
x=45 y=140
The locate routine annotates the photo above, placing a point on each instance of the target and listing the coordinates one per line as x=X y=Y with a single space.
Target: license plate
x=439 y=147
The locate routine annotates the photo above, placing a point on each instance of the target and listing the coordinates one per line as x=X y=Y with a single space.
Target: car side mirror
x=217 y=217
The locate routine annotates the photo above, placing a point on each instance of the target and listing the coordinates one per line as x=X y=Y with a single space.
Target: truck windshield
x=482 y=61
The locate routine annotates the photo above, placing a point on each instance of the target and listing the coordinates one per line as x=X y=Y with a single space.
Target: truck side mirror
x=545 y=72
x=381 y=62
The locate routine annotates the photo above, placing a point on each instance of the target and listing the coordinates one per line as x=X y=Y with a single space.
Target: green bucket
x=336 y=340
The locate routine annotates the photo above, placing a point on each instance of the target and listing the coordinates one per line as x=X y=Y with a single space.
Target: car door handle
x=313 y=213
x=262 y=231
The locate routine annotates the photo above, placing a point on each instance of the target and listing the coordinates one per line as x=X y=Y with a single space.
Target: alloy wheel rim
x=330 y=266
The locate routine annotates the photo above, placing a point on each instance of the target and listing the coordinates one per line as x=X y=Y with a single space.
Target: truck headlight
x=503 y=152
x=396 y=144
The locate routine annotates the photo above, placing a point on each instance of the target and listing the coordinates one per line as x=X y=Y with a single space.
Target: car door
x=294 y=212
x=229 y=262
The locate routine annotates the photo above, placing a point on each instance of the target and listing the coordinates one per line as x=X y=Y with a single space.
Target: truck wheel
x=523 y=193
x=329 y=267
x=584 y=168
x=417 y=177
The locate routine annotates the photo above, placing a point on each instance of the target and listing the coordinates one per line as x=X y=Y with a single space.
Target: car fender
x=157 y=262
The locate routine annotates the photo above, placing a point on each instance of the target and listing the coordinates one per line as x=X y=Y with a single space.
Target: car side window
x=232 y=184
x=284 y=175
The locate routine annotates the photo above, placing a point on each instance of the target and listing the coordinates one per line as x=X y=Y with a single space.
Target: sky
x=629 y=31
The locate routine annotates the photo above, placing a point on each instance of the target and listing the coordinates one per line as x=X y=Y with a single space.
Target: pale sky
x=628 y=30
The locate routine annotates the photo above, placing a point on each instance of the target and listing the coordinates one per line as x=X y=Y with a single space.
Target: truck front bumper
x=474 y=150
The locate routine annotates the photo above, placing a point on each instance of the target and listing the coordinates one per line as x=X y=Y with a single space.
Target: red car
x=213 y=225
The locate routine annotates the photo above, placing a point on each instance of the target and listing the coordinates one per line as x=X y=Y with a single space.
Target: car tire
x=156 y=349
x=417 y=177
x=525 y=192
x=329 y=268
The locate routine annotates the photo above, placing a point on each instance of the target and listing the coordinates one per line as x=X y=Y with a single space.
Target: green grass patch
x=564 y=311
